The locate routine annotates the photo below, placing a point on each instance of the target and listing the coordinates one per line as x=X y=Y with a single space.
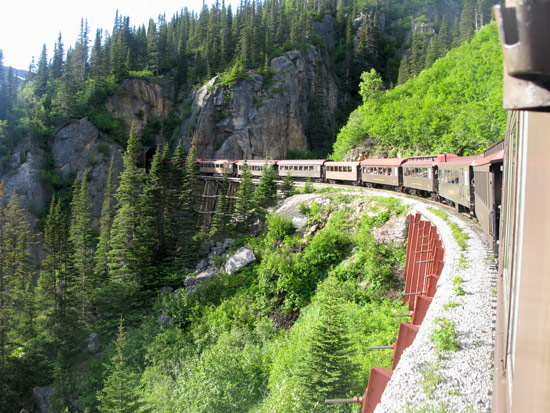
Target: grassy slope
x=455 y=106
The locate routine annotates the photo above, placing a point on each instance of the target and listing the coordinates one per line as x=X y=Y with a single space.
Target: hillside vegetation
x=453 y=107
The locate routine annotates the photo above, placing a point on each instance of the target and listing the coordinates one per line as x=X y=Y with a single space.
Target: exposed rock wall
x=262 y=115
x=140 y=101
x=79 y=147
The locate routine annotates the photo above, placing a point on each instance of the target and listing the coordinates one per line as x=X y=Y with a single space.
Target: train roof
x=342 y=163
x=383 y=161
x=429 y=160
x=460 y=160
x=493 y=158
x=257 y=162
x=302 y=162
x=214 y=160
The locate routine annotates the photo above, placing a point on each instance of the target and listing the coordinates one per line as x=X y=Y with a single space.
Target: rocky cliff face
x=261 y=115
x=140 y=101
x=80 y=148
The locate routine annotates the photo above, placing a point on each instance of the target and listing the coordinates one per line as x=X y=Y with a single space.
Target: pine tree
x=82 y=242
x=189 y=218
x=120 y=392
x=56 y=293
x=432 y=52
x=467 y=21
x=17 y=312
x=443 y=37
x=287 y=188
x=244 y=202
x=326 y=366
x=266 y=191
x=220 y=220
x=404 y=71
x=41 y=79
x=58 y=57
x=123 y=258
x=105 y=224
x=151 y=238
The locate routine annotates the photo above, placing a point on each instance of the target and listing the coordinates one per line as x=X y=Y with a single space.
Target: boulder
x=92 y=343
x=42 y=397
x=240 y=259
x=166 y=321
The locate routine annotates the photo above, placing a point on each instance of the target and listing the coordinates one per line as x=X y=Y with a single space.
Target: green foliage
x=453 y=107
x=431 y=377
x=459 y=235
x=287 y=187
x=444 y=335
x=308 y=187
x=278 y=228
x=441 y=214
x=141 y=74
x=119 y=393
x=326 y=368
x=457 y=282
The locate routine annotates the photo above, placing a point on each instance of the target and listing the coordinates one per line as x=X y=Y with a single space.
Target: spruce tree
x=326 y=366
x=83 y=247
x=190 y=217
x=105 y=223
x=404 y=71
x=123 y=258
x=266 y=191
x=120 y=392
x=57 y=288
x=245 y=193
x=220 y=220
x=287 y=188
x=17 y=311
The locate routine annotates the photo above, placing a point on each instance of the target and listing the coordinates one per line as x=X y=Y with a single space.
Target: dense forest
x=106 y=317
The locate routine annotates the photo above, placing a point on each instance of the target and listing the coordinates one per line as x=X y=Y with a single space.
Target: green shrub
x=444 y=336
x=278 y=227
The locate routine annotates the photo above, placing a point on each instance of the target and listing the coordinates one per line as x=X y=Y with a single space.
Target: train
x=471 y=184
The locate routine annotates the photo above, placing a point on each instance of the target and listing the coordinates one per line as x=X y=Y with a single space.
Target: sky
x=26 y=26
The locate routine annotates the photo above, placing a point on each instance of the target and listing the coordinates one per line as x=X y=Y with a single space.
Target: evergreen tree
x=17 y=312
x=245 y=202
x=287 y=188
x=404 y=71
x=443 y=37
x=432 y=52
x=467 y=21
x=220 y=220
x=189 y=218
x=57 y=289
x=82 y=241
x=41 y=79
x=120 y=392
x=58 y=57
x=105 y=224
x=123 y=258
x=326 y=366
x=151 y=239
x=266 y=191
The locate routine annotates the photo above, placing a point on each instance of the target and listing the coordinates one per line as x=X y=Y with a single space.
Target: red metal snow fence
x=424 y=261
x=423 y=266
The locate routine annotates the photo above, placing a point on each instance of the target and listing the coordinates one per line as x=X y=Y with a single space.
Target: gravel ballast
x=427 y=379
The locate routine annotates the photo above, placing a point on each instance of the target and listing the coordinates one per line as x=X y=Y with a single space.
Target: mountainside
x=453 y=107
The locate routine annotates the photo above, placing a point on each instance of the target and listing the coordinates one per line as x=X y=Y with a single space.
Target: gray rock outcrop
x=140 y=101
x=239 y=260
x=80 y=147
x=260 y=115
x=42 y=396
